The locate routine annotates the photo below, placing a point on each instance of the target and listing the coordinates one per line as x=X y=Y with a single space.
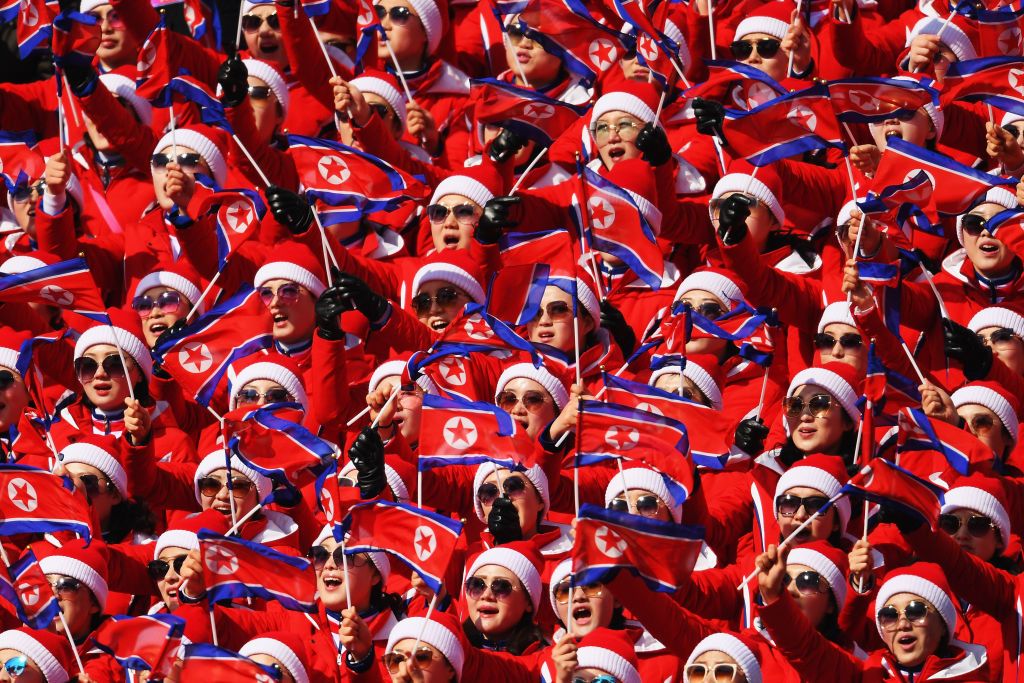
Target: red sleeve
x=140 y=19
x=133 y=140
x=277 y=165
x=126 y=568
x=402 y=332
x=865 y=56
x=814 y=188
x=676 y=627
x=162 y=484
x=450 y=489
x=56 y=234
x=29 y=106
x=329 y=383
x=593 y=482
x=712 y=593
x=306 y=59
x=482 y=665
x=377 y=140
x=809 y=652
x=918 y=307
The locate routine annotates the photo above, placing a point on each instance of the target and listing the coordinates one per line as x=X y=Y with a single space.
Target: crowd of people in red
x=488 y=254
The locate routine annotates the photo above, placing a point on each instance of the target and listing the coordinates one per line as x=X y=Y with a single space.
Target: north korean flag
x=792 y=124
x=333 y=499
x=738 y=324
x=368 y=30
x=863 y=100
x=35 y=25
x=516 y=291
x=16 y=155
x=146 y=643
x=557 y=248
x=663 y=554
x=996 y=80
x=611 y=431
x=1008 y=227
x=956 y=186
x=887 y=484
x=614 y=223
x=755 y=86
x=237 y=214
x=957 y=449
x=884 y=201
x=75 y=38
x=527 y=112
x=187 y=88
x=155 y=65
x=67 y=284
x=887 y=387
x=33 y=501
x=422 y=539
x=999 y=29
x=203 y=661
x=708 y=433
x=235 y=568
x=29 y=592
x=476 y=331
x=456 y=432
x=198 y=355
x=881 y=274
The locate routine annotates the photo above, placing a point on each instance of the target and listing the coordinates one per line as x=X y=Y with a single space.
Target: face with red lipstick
x=912 y=628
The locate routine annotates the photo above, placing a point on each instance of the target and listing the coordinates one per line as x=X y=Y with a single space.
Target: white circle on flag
x=453 y=371
x=424 y=542
x=622 y=437
x=649 y=407
x=327 y=503
x=147 y=58
x=646 y=46
x=221 y=561
x=602 y=53
x=863 y=100
x=1016 y=80
x=802 y=116
x=22 y=494
x=195 y=357
x=29 y=594
x=460 y=432
x=539 y=110
x=609 y=542
x=238 y=215
x=923 y=193
x=1010 y=41
x=333 y=169
x=57 y=295
x=602 y=213
x=477 y=328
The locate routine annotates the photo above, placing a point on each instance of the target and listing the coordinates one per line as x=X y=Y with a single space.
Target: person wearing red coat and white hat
x=532 y=395
x=1003 y=331
x=284 y=652
x=165 y=296
x=30 y=655
x=760 y=36
x=602 y=652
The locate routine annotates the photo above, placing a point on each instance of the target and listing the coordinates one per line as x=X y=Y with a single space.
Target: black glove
x=233 y=78
x=732 y=218
x=506 y=145
x=964 y=346
x=709 y=115
x=750 y=435
x=367 y=454
x=169 y=332
x=79 y=76
x=329 y=306
x=289 y=209
x=496 y=217
x=653 y=145
x=358 y=296
x=503 y=522
x=622 y=333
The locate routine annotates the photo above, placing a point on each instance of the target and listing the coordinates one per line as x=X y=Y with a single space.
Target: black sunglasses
x=260 y=92
x=514 y=487
x=400 y=16
x=445 y=298
x=807 y=583
x=66 y=584
x=787 y=504
x=556 y=310
x=158 y=568
x=252 y=22
x=188 y=162
x=464 y=213
x=516 y=33
x=85 y=367
x=1000 y=336
x=251 y=396
x=767 y=48
x=977 y=525
x=708 y=309
x=973 y=224
x=6 y=380
x=91 y=484
x=1012 y=129
x=916 y=612
x=22 y=193
x=166 y=302
x=319 y=555
x=646 y=506
x=500 y=588
x=848 y=341
x=383 y=111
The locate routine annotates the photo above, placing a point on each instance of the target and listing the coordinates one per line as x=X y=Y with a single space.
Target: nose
x=613 y=134
x=449 y=220
x=837 y=350
x=800 y=514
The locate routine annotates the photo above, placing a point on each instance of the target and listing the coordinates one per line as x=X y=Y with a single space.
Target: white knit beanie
x=735 y=648
x=833 y=384
x=175 y=538
x=825 y=567
x=51 y=669
x=1010 y=117
x=994 y=195
x=818 y=479
x=381 y=88
x=269 y=75
x=203 y=146
x=124 y=87
x=395 y=368
x=561 y=570
x=453 y=275
x=705 y=382
x=769 y=25
x=590 y=657
x=380 y=560
x=166 y=278
x=740 y=182
x=846 y=213
x=983 y=396
x=517 y=563
x=91 y=454
x=724 y=289
x=981 y=501
x=394 y=479
x=921 y=587
x=952 y=36
x=433 y=24
x=534 y=474
x=624 y=102
x=643 y=478
x=997 y=316
x=432 y=633
x=279 y=651
x=116 y=336
x=470 y=188
x=76 y=569
x=837 y=312
x=541 y=376
x=293 y=272
x=215 y=461
x=272 y=372
x=21 y=263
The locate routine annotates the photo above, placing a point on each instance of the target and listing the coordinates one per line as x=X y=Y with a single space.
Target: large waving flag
x=68 y=285
x=75 y=38
x=28 y=591
x=998 y=30
x=186 y=88
x=516 y=291
x=155 y=65
x=724 y=77
x=956 y=186
x=236 y=568
x=33 y=501
x=913 y=197
x=619 y=222
x=146 y=643
x=887 y=484
x=456 y=432
x=1008 y=227
x=792 y=124
x=422 y=539
x=663 y=554
x=527 y=112
x=863 y=100
x=998 y=81
x=956 y=448
x=477 y=331
x=198 y=355
x=205 y=662
x=237 y=215
x=35 y=25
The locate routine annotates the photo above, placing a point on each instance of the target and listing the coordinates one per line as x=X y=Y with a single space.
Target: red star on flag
x=601 y=213
x=621 y=437
x=425 y=543
x=460 y=430
x=609 y=542
x=602 y=52
x=22 y=494
x=453 y=371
